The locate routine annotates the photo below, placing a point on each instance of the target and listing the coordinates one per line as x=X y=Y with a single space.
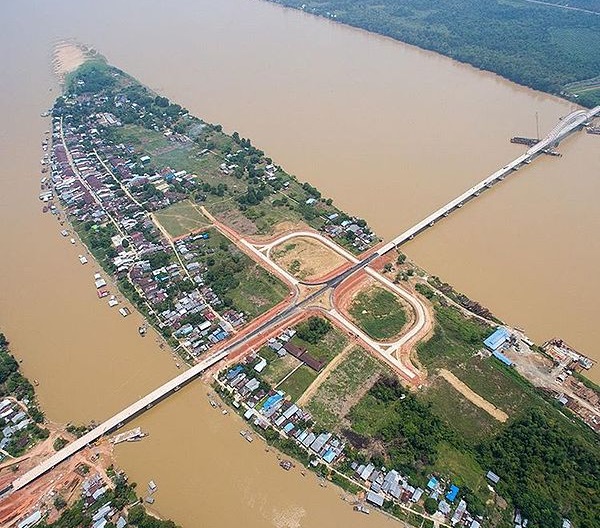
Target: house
x=492 y=477
x=259 y=367
x=451 y=495
x=375 y=498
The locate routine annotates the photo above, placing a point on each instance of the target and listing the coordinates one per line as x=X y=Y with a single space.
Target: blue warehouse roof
x=497 y=339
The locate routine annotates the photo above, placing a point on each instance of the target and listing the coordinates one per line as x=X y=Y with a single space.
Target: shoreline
x=438 y=54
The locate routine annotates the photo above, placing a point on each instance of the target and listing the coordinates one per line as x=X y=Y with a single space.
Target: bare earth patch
x=473 y=397
x=68 y=56
x=306 y=259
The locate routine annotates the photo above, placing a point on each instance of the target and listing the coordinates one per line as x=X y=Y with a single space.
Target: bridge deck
x=569 y=124
x=563 y=129
x=116 y=421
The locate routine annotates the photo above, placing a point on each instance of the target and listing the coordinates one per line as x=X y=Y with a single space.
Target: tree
x=59 y=502
x=430 y=505
x=313 y=330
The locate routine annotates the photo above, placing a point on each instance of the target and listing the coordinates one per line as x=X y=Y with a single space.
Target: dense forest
x=533 y=44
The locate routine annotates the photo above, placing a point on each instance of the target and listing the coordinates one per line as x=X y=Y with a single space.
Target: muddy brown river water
x=389 y=131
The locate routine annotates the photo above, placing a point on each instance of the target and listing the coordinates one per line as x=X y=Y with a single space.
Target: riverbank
x=85 y=482
x=68 y=156
x=535 y=58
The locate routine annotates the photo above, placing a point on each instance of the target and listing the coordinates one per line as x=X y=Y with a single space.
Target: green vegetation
x=378 y=312
x=532 y=44
x=236 y=279
x=59 y=443
x=181 y=218
x=329 y=344
x=298 y=382
x=548 y=463
x=257 y=290
x=454 y=340
x=13 y=383
x=547 y=470
x=334 y=396
x=404 y=428
x=468 y=420
x=98 y=239
x=313 y=329
x=277 y=368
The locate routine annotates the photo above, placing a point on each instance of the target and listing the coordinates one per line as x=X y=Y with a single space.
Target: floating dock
x=132 y=435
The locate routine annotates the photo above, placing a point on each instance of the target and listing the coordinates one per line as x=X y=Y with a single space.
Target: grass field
x=327 y=348
x=298 y=382
x=462 y=468
x=258 y=290
x=468 y=420
x=336 y=394
x=378 y=312
x=181 y=218
x=142 y=138
x=496 y=383
x=277 y=368
x=454 y=340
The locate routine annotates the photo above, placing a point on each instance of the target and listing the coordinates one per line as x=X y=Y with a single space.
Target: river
x=389 y=131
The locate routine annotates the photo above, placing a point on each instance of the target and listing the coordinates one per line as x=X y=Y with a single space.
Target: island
x=359 y=366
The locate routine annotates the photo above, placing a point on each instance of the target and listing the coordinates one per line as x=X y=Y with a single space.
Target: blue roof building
x=272 y=400
x=433 y=483
x=451 y=495
x=497 y=339
x=500 y=356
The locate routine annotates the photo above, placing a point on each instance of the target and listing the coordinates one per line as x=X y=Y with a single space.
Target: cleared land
x=277 y=368
x=378 y=312
x=343 y=387
x=181 y=218
x=257 y=291
x=467 y=419
x=306 y=259
x=473 y=397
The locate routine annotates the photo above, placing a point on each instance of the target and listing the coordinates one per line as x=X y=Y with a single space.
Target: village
x=183 y=271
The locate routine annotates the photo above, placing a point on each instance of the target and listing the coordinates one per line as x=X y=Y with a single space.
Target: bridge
x=567 y=125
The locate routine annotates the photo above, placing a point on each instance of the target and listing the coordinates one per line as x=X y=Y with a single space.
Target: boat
x=36 y=382
x=72 y=241
x=64 y=233
x=214 y=404
x=360 y=508
x=246 y=434
x=113 y=301
x=102 y=293
x=124 y=311
x=82 y=259
x=286 y=464
x=224 y=412
x=152 y=486
x=142 y=330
